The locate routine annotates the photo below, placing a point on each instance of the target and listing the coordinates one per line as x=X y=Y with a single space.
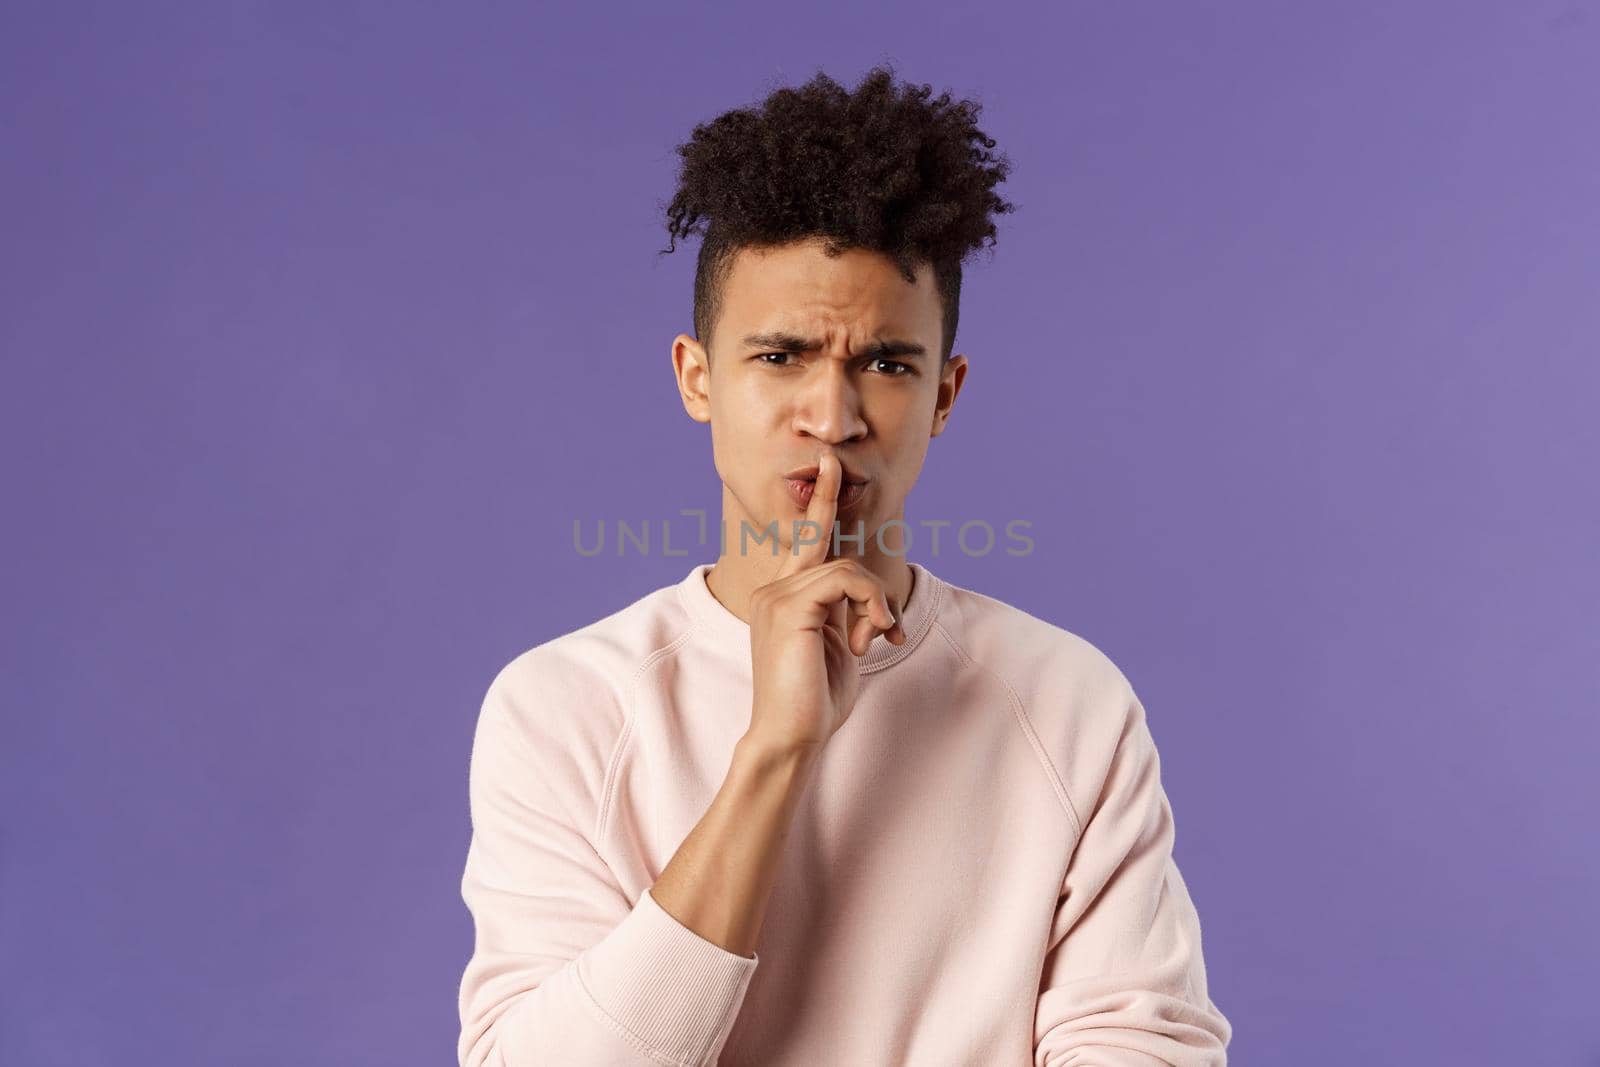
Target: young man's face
x=775 y=411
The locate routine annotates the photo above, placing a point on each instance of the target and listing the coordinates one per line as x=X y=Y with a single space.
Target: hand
x=808 y=628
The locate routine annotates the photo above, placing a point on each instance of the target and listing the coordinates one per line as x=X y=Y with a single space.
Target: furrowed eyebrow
x=788 y=342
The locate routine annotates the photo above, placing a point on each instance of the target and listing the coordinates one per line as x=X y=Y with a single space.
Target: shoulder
x=1030 y=653
x=1073 y=700
x=562 y=704
x=600 y=658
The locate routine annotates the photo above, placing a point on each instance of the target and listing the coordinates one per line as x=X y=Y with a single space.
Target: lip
x=800 y=490
x=808 y=474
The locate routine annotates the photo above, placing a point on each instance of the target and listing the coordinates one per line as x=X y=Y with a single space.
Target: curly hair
x=883 y=168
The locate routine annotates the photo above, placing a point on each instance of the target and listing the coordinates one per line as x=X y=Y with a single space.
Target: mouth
x=809 y=474
x=800 y=490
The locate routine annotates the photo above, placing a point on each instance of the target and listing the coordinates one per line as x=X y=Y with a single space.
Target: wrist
x=767 y=754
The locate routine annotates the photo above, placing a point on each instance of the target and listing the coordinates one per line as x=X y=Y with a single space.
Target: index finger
x=822 y=510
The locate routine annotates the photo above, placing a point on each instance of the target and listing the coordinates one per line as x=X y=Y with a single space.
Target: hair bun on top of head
x=886 y=167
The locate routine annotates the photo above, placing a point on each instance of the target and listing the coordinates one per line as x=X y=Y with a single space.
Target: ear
x=692 y=366
x=955 y=372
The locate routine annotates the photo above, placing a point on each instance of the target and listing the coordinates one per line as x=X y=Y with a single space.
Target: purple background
x=322 y=324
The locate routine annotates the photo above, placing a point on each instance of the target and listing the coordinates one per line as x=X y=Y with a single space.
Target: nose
x=828 y=407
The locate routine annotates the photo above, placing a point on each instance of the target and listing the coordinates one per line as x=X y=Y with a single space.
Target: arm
x=564 y=969
x=718 y=882
x=1124 y=981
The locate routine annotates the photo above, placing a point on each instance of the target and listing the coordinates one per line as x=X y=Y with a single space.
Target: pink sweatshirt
x=979 y=872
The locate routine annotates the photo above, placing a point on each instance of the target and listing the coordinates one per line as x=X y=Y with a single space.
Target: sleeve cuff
x=665 y=984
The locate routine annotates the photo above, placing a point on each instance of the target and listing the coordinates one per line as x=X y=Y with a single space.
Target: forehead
x=798 y=286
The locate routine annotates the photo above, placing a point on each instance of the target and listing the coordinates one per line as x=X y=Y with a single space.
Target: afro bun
x=883 y=168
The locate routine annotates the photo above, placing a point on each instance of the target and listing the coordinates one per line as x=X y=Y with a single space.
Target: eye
x=904 y=368
x=781 y=355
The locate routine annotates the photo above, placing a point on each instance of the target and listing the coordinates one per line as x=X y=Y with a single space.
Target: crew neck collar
x=726 y=628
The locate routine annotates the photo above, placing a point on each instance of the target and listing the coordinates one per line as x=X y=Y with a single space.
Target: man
x=813 y=805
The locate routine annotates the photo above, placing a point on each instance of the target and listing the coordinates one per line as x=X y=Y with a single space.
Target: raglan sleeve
x=565 y=968
x=1124 y=980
